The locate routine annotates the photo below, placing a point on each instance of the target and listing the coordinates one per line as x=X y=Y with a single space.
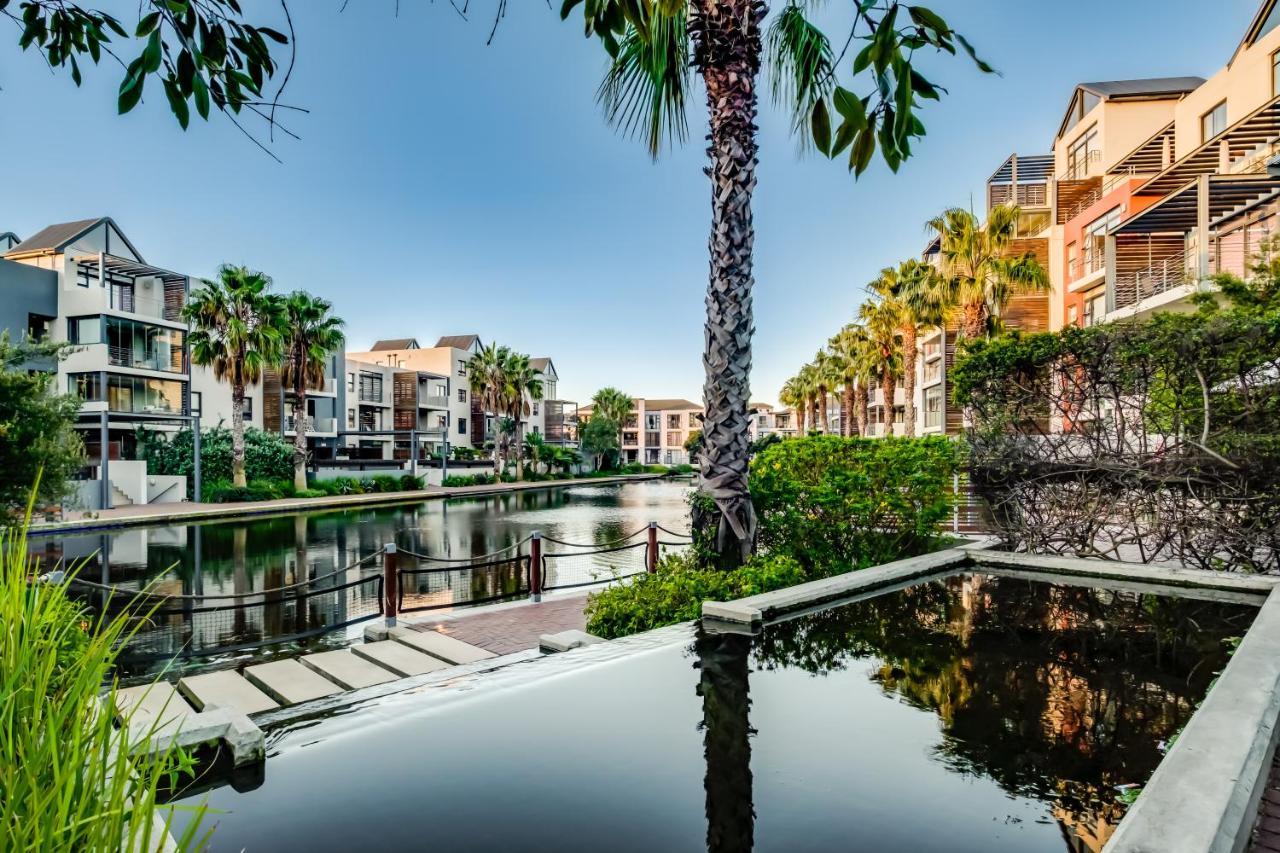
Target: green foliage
x=682 y=468
x=71 y=779
x=839 y=503
x=204 y=53
x=36 y=426
x=410 y=483
x=599 y=439
x=675 y=592
x=267 y=455
x=485 y=479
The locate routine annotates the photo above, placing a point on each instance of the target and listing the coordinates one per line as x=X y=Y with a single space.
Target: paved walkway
x=1266 y=832
x=139 y=514
x=510 y=628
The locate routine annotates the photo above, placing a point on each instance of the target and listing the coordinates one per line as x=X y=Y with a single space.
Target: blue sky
x=442 y=186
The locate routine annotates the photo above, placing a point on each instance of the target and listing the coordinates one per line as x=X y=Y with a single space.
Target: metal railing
x=1166 y=274
x=312 y=425
x=121 y=356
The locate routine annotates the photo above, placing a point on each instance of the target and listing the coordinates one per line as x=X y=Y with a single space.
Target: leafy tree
x=920 y=298
x=309 y=334
x=792 y=397
x=615 y=406
x=653 y=45
x=693 y=445
x=599 y=439
x=38 y=441
x=204 y=53
x=267 y=456
x=235 y=329
x=980 y=273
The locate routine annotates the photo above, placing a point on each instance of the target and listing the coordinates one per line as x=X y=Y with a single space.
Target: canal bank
x=154 y=514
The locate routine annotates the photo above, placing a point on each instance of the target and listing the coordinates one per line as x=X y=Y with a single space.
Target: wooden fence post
x=651 y=552
x=535 y=566
x=390 y=585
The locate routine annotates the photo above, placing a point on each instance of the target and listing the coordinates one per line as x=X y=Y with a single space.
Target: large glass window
x=86 y=386
x=84 y=330
x=141 y=345
x=1083 y=152
x=1275 y=72
x=933 y=406
x=129 y=393
x=1213 y=122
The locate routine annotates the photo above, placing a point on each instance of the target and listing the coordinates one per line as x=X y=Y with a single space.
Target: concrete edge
x=294 y=505
x=1203 y=797
x=1150 y=573
x=756 y=608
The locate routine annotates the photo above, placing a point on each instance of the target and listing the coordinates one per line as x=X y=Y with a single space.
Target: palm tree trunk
x=909 y=377
x=726 y=51
x=519 y=448
x=800 y=418
x=300 y=436
x=973 y=320
x=237 y=436
x=846 y=420
x=889 y=388
x=863 y=404
x=813 y=414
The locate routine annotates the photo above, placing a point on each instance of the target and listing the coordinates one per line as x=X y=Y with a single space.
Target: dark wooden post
x=651 y=552
x=390 y=585
x=535 y=566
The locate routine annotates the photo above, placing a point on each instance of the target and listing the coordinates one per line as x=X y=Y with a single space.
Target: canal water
x=217 y=571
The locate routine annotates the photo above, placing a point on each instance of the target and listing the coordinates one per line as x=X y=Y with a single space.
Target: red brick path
x=514 y=629
x=1266 y=832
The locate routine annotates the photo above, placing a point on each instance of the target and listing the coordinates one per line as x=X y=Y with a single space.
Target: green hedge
x=853 y=502
x=675 y=592
x=267 y=456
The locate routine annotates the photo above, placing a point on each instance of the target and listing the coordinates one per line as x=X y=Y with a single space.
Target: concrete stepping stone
x=566 y=640
x=156 y=705
x=226 y=689
x=442 y=646
x=398 y=658
x=289 y=682
x=346 y=670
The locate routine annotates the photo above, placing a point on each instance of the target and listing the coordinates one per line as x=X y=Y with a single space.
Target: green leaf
x=177 y=103
x=968 y=48
x=928 y=18
x=275 y=35
x=151 y=54
x=845 y=135
x=148 y=24
x=863 y=149
x=201 y=93
x=567 y=7
x=851 y=107
x=820 y=121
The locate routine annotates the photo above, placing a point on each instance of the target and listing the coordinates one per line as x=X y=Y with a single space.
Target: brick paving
x=1266 y=831
x=515 y=628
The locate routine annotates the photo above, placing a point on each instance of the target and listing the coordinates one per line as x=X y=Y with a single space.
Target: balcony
x=170 y=361
x=314 y=426
x=1169 y=273
x=434 y=401
x=131 y=287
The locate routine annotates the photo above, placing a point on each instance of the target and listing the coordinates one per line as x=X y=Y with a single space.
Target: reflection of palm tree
x=726 y=706
x=239 y=574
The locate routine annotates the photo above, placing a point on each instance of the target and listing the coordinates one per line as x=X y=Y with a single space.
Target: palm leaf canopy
x=235 y=325
x=310 y=333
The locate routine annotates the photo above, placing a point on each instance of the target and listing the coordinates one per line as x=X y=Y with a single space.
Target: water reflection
x=238 y=559
x=1058 y=694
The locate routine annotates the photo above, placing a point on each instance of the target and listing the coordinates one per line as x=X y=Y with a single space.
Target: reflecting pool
x=974 y=713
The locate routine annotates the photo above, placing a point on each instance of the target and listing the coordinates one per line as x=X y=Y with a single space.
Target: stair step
x=399 y=658
x=442 y=646
x=157 y=705
x=289 y=682
x=226 y=688
x=346 y=670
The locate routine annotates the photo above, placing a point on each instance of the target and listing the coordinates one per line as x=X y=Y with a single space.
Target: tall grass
x=70 y=779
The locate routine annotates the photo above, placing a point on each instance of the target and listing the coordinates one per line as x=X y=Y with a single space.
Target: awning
x=129 y=268
x=1259 y=128
x=1177 y=211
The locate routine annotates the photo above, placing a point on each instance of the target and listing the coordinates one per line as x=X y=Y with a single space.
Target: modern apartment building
x=656 y=430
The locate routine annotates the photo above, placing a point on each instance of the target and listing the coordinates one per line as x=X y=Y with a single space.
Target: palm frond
x=800 y=66
x=644 y=91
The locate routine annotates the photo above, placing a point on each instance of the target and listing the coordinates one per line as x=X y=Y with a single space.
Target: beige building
x=656 y=430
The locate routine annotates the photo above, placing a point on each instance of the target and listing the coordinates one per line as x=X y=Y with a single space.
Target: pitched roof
x=54 y=237
x=458 y=341
x=394 y=344
x=1146 y=87
x=665 y=404
x=540 y=364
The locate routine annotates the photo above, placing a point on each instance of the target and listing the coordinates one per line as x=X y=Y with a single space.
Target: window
x=1073 y=258
x=1073 y=316
x=652 y=422
x=84 y=330
x=462 y=368
x=1213 y=122
x=246 y=411
x=1275 y=73
x=462 y=395
x=141 y=345
x=370 y=388
x=128 y=393
x=351 y=418
x=197 y=403
x=1095 y=308
x=462 y=426
x=673 y=422
x=86 y=386
x=535 y=429
x=38 y=327
x=1095 y=240
x=351 y=382
x=535 y=409
x=629 y=438
x=673 y=439
x=1082 y=153
x=933 y=407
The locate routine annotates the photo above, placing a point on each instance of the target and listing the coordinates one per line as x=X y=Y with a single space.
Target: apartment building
x=445 y=407
x=655 y=431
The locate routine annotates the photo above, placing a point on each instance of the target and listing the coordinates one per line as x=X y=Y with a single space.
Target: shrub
x=675 y=592
x=71 y=779
x=410 y=483
x=385 y=483
x=311 y=493
x=683 y=468
x=267 y=456
x=470 y=480
x=854 y=502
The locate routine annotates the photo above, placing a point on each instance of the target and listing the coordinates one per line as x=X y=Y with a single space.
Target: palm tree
x=826 y=374
x=235 y=331
x=309 y=334
x=792 y=397
x=808 y=382
x=853 y=349
x=921 y=300
x=979 y=273
x=880 y=318
x=485 y=375
x=521 y=388
x=613 y=405
x=652 y=45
